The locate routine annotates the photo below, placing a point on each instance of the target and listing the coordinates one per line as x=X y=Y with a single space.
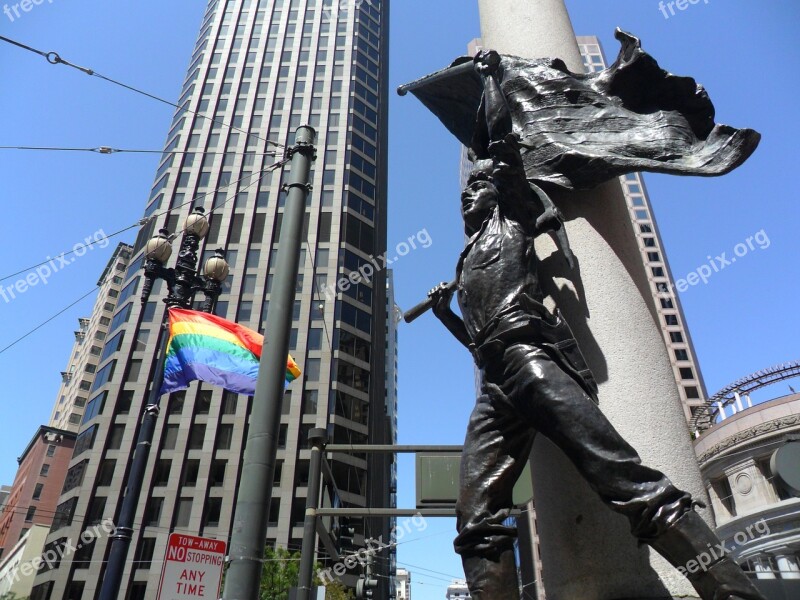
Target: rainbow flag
x=208 y=348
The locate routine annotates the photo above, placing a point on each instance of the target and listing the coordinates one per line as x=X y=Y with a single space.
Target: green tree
x=279 y=573
x=338 y=591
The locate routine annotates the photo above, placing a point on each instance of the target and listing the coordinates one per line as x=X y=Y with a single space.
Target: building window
x=64 y=514
x=29 y=515
x=190 y=473
x=224 y=437
x=213 y=510
x=184 y=512
x=310 y=401
x=681 y=354
x=203 y=404
x=152 y=513
x=229 y=403
x=196 y=437
x=84 y=441
x=671 y=320
x=74 y=476
x=144 y=553
x=94 y=514
x=170 y=437
x=106 y=472
x=676 y=337
x=138 y=591
x=687 y=373
x=37 y=491
x=124 y=402
x=115 y=437
x=691 y=392
x=51 y=450
x=217 y=475
x=44 y=470
x=161 y=474
x=175 y=406
x=314 y=341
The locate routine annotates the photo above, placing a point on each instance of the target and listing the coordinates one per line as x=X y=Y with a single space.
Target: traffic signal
x=364 y=587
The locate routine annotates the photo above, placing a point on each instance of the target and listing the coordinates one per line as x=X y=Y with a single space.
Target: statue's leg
x=496 y=449
x=659 y=513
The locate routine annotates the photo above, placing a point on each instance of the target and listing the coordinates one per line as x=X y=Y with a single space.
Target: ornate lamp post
x=183 y=282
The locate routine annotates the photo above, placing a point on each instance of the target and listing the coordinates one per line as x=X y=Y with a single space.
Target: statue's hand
x=442 y=295
x=487 y=62
x=550 y=220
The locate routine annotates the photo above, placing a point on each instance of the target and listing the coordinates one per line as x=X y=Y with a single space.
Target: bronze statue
x=534 y=378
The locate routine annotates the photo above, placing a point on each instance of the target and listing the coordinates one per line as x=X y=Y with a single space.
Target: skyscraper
x=260 y=68
x=76 y=381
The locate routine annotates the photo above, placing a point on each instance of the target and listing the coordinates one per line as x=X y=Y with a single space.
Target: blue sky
x=743 y=319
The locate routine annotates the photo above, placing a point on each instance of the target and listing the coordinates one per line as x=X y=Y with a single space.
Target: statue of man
x=535 y=380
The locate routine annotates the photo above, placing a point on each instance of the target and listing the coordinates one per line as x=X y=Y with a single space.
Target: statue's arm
x=443 y=295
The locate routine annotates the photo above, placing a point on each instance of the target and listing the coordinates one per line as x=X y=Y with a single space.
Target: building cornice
x=746 y=435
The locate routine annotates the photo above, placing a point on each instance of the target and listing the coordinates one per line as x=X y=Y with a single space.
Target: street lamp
x=183 y=283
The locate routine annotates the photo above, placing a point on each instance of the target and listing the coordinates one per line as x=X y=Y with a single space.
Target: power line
x=54 y=59
x=15 y=342
x=110 y=150
x=142 y=222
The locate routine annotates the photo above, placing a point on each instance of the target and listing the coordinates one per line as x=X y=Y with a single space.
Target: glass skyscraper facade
x=260 y=68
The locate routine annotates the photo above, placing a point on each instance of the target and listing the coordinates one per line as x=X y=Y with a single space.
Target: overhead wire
x=145 y=221
x=55 y=59
x=110 y=150
x=59 y=313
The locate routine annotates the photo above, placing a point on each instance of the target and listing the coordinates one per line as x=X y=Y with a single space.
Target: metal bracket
x=306 y=186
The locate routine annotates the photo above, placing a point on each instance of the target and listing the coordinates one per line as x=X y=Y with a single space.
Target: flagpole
x=249 y=532
x=121 y=540
x=183 y=283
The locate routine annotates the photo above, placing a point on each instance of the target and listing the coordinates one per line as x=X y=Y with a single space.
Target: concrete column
x=587 y=551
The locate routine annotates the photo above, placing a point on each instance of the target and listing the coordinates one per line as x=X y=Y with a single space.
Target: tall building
x=756 y=510
x=259 y=70
x=28 y=511
x=403 y=580
x=76 y=380
x=665 y=305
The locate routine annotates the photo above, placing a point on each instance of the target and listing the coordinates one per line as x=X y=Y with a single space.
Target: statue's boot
x=492 y=579
x=690 y=543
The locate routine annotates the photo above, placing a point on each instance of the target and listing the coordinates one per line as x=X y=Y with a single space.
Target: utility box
x=437 y=481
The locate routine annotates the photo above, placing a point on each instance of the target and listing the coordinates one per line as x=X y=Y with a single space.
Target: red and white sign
x=192 y=568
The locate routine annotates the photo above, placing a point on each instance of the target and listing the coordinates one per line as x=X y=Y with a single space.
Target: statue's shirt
x=496 y=275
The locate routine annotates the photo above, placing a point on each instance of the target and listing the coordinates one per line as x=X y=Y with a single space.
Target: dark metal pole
x=249 y=532
x=121 y=540
x=318 y=438
x=183 y=282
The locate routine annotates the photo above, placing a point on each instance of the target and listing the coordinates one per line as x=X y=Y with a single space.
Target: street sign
x=192 y=568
